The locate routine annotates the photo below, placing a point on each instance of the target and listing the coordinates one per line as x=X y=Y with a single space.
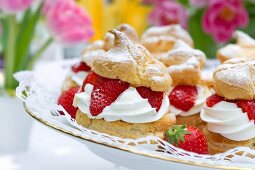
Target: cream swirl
x=227 y=119
x=129 y=107
x=78 y=77
x=202 y=93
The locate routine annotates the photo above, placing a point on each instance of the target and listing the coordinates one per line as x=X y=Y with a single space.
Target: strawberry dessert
x=125 y=95
x=230 y=112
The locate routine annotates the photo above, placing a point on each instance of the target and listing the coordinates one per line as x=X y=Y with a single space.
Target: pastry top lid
x=181 y=53
x=235 y=79
x=244 y=47
x=132 y=63
x=127 y=29
x=98 y=47
x=162 y=38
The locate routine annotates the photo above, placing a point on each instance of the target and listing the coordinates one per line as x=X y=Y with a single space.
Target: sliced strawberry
x=188 y=138
x=105 y=92
x=154 y=98
x=66 y=100
x=90 y=79
x=81 y=66
x=183 y=97
x=213 y=100
x=247 y=106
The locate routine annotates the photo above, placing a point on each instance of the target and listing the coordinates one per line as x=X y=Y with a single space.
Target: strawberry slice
x=90 y=79
x=183 y=97
x=247 y=106
x=66 y=100
x=81 y=66
x=213 y=100
x=154 y=98
x=105 y=92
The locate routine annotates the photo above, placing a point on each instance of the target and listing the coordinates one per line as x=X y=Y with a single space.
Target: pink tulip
x=167 y=12
x=223 y=17
x=68 y=23
x=199 y=3
x=13 y=6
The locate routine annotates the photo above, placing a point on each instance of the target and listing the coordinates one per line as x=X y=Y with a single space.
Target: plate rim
x=134 y=151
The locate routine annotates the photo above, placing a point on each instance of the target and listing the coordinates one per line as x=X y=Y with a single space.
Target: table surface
x=50 y=150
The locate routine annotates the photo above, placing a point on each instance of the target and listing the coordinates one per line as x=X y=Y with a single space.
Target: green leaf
x=202 y=40
x=25 y=37
x=176 y=133
x=3 y=38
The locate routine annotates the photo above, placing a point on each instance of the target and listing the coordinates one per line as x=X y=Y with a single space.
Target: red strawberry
x=213 y=100
x=81 y=66
x=247 y=106
x=154 y=98
x=66 y=100
x=188 y=138
x=104 y=93
x=183 y=97
x=91 y=79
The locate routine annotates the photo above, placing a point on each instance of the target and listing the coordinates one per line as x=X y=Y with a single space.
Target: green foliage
x=202 y=40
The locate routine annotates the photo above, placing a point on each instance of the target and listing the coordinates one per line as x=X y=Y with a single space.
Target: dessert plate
x=39 y=92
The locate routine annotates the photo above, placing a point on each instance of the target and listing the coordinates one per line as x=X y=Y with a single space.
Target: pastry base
x=219 y=144
x=68 y=83
x=124 y=129
x=193 y=120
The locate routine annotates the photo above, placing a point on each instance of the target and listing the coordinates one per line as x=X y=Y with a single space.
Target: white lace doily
x=40 y=89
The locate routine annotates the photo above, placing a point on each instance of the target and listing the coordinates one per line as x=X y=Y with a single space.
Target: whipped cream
x=229 y=120
x=202 y=93
x=78 y=77
x=129 y=107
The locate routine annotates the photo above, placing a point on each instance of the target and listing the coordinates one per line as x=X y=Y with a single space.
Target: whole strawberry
x=188 y=138
x=66 y=100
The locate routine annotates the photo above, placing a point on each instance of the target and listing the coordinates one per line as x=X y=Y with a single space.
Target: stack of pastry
x=80 y=70
x=244 y=48
x=127 y=96
x=230 y=112
x=187 y=95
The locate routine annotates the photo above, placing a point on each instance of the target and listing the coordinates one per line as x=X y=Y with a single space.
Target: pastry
x=230 y=112
x=187 y=95
x=125 y=96
x=161 y=39
x=244 y=48
x=80 y=70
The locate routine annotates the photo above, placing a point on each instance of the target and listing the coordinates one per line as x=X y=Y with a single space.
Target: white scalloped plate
x=39 y=103
x=128 y=157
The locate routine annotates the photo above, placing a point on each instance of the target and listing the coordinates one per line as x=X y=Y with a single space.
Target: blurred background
x=37 y=32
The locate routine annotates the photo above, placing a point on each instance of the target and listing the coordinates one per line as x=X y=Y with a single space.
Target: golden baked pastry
x=193 y=120
x=124 y=129
x=161 y=39
x=235 y=80
x=220 y=144
x=184 y=64
x=133 y=64
x=129 y=63
x=97 y=48
x=244 y=48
